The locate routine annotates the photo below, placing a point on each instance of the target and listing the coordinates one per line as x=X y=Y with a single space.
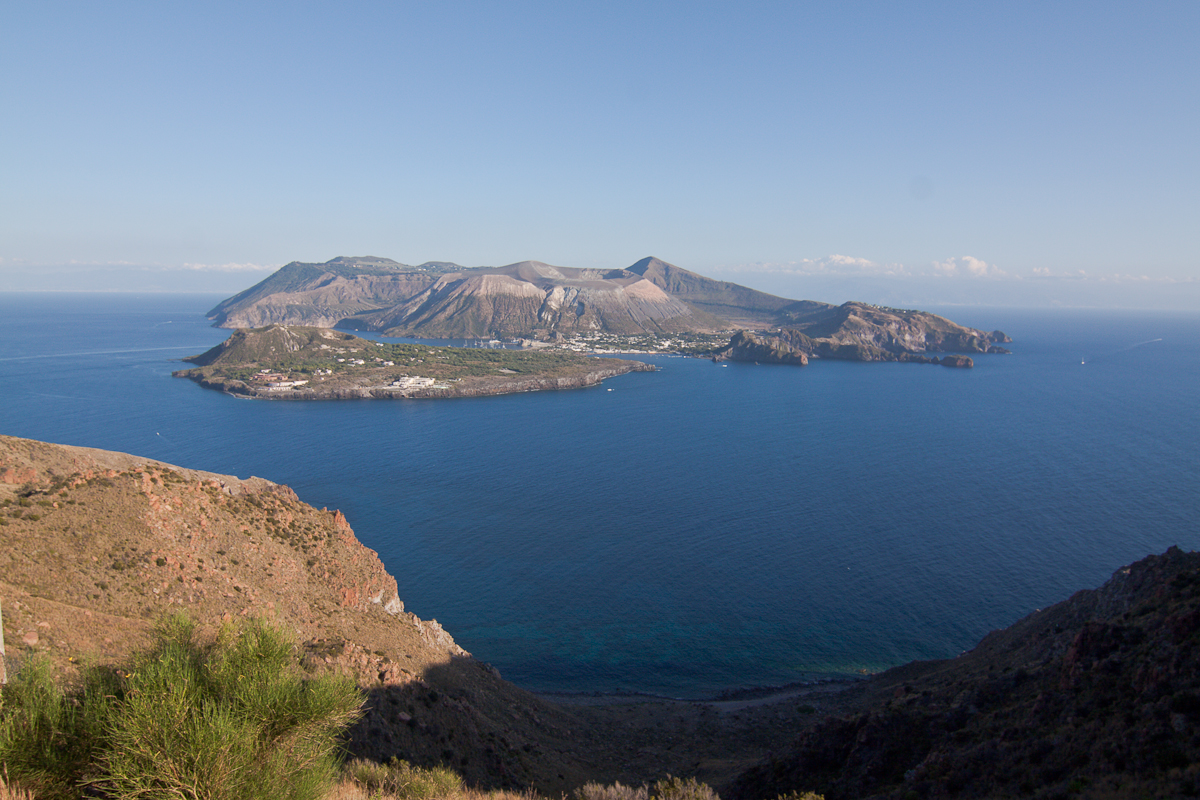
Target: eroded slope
x=95 y=546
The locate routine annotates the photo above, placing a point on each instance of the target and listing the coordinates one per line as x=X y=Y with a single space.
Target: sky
x=1040 y=153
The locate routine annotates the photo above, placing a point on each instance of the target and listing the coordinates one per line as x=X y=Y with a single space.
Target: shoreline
x=744 y=697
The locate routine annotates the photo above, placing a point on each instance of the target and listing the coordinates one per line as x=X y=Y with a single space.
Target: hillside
x=324 y=294
x=442 y=300
x=529 y=298
x=861 y=332
x=1097 y=696
x=95 y=546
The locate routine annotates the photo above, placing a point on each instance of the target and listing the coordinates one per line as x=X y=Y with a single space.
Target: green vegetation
x=403 y=781
x=328 y=359
x=227 y=719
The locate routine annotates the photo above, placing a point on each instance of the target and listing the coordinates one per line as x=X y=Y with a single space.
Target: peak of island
x=544 y=303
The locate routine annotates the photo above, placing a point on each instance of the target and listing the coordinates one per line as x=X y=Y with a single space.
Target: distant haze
x=902 y=292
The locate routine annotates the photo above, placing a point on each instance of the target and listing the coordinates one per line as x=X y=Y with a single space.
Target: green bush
x=47 y=740
x=229 y=720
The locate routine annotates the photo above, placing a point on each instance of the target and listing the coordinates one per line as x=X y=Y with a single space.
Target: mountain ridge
x=536 y=300
x=447 y=300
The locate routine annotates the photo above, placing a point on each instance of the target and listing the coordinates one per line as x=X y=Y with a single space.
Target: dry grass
x=348 y=789
x=8 y=792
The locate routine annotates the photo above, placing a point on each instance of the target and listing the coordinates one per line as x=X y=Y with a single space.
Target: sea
x=701 y=528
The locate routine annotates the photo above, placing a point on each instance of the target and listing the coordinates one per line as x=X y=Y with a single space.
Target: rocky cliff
x=861 y=332
x=95 y=546
x=1097 y=696
x=764 y=349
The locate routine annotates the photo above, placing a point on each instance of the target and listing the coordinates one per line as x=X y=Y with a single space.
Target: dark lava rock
x=1097 y=696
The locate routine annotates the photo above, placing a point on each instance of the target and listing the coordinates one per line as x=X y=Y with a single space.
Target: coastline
x=466 y=387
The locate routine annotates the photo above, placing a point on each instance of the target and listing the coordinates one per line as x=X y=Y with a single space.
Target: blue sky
x=1001 y=153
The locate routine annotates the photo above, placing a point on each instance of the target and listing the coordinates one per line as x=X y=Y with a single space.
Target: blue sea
x=702 y=527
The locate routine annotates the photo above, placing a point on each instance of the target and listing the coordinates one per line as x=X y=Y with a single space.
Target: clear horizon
x=929 y=155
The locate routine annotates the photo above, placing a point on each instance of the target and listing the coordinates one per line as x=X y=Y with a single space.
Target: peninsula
x=281 y=362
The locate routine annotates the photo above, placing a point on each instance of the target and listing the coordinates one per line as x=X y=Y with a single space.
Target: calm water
x=697 y=528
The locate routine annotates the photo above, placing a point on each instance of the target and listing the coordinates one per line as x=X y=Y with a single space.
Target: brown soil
x=96 y=546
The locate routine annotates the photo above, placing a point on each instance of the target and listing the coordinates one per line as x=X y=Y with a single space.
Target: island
x=288 y=362
x=649 y=306
x=863 y=332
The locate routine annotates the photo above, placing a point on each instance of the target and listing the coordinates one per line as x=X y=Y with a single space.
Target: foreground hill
x=1097 y=696
x=95 y=546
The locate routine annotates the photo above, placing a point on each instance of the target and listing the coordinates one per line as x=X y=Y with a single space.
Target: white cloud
x=835 y=264
x=967 y=266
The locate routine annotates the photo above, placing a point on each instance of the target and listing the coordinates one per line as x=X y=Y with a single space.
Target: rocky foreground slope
x=1097 y=696
x=95 y=546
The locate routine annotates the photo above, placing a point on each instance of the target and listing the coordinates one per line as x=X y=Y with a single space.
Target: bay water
x=700 y=528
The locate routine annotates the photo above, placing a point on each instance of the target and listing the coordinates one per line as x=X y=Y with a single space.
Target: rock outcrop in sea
x=861 y=332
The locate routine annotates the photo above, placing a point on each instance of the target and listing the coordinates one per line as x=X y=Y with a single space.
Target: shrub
x=617 y=791
x=402 y=780
x=13 y=792
x=671 y=788
x=48 y=740
x=229 y=720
